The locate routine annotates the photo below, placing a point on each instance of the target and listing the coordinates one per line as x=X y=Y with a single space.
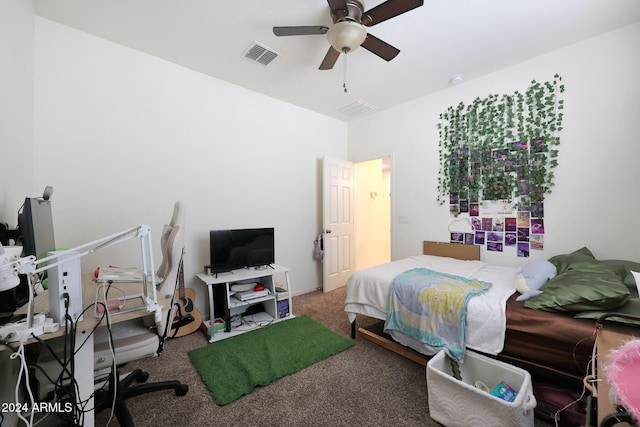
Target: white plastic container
x=456 y=403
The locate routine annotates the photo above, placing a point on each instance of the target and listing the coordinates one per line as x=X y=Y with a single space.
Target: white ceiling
x=436 y=41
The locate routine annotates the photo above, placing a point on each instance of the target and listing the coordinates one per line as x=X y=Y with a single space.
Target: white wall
x=595 y=202
x=16 y=107
x=121 y=135
x=16 y=138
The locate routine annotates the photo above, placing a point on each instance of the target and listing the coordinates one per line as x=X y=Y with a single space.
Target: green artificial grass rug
x=233 y=367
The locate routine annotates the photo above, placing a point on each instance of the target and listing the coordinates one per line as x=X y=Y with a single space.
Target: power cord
x=64 y=393
x=24 y=370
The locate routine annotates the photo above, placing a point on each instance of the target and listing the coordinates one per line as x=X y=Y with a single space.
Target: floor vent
x=260 y=54
x=357 y=108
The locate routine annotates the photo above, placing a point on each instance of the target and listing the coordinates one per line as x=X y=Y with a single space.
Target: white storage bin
x=459 y=403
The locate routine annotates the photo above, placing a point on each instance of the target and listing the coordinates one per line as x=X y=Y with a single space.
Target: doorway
x=356 y=217
x=372 y=200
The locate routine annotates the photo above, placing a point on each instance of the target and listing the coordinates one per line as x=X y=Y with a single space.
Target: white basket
x=459 y=403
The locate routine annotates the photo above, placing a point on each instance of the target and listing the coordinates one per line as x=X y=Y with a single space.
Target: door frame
x=392 y=225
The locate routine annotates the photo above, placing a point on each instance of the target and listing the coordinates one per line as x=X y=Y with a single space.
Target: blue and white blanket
x=431 y=307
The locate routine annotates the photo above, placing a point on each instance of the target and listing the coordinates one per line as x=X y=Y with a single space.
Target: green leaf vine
x=502 y=146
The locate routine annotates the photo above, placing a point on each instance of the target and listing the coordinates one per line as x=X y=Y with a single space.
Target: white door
x=337 y=222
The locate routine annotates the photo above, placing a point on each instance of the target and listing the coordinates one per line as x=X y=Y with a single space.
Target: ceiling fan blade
x=387 y=10
x=383 y=49
x=337 y=4
x=329 y=59
x=300 y=31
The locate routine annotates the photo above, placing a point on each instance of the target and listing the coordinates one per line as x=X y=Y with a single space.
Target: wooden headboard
x=452 y=250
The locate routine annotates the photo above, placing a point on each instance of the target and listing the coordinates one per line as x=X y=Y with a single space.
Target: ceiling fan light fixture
x=346 y=36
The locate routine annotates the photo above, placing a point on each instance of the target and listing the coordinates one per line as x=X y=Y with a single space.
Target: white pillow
x=636 y=276
x=536 y=273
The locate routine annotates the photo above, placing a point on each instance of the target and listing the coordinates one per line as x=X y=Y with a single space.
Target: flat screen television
x=241 y=248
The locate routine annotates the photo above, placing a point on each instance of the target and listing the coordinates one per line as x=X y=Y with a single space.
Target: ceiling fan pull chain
x=344 y=76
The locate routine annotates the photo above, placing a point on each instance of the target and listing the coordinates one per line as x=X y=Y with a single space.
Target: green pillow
x=631 y=308
x=624 y=269
x=574 y=259
x=588 y=286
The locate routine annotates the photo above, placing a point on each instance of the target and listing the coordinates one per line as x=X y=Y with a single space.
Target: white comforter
x=368 y=293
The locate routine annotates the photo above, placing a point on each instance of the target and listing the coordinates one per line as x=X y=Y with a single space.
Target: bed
x=497 y=324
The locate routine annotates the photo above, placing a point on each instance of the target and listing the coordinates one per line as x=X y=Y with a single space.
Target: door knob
x=327 y=231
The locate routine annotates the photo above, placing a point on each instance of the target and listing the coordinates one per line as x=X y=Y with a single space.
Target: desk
x=84 y=369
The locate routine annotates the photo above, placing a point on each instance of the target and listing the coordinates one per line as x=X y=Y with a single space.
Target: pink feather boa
x=623 y=373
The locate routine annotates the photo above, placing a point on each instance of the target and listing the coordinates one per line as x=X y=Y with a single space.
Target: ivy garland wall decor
x=497 y=157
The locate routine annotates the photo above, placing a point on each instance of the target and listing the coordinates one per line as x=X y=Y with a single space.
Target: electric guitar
x=186 y=317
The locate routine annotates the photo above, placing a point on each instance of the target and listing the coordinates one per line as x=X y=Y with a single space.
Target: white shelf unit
x=266 y=276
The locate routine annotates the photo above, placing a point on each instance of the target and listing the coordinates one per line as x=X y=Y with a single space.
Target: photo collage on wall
x=500 y=224
x=497 y=226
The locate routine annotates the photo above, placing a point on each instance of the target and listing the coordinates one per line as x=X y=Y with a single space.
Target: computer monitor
x=35 y=235
x=36 y=227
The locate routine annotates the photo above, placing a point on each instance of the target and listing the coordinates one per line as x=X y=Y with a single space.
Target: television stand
x=274 y=303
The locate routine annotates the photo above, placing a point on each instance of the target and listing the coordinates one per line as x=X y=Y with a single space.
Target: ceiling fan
x=348 y=30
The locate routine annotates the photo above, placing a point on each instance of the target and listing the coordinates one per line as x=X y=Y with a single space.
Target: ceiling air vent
x=260 y=54
x=357 y=108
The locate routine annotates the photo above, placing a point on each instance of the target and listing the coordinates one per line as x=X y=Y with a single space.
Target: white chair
x=172 y=246
x=132 y=340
